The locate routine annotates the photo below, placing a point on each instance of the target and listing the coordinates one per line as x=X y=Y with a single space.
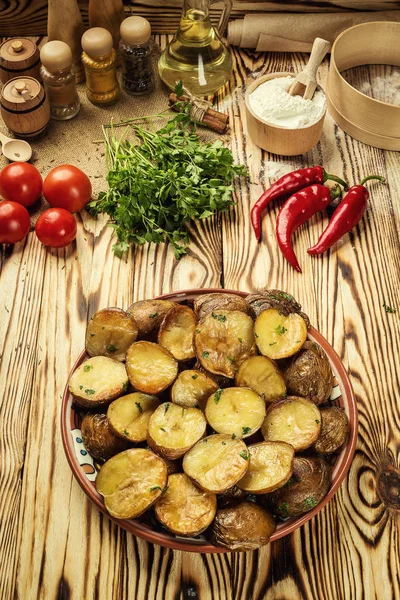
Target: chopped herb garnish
x=112 y=348
x=240 y=340
x=233 y=436
x=166 y=408
x=125 y=432
x=317 y=421
x=314 y=346
x=155 y=487
x=280 y=330
x=256 y=335
x=183 y=411
x=245 y=455
x=89 y=391
x=205 y=440
x=310 y=503
x=220 y=318
x=231 y=359
x=125 y=386
x=272 y=344
x=205 y=354
x=198 y=330
x=162 y=428
x=283 y=509
x=139 y=407
x=217 y=395
x=87 y=368
x=153 y=315
x=81 y=387
x=388 y=308
x=92 y=334
x=103 y=327
x=246 y=430
x=194 y=376
x=223 y=443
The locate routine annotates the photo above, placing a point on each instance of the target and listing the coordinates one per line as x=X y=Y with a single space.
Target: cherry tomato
x=67 y=187
x=56 y=227
x=14 y=222
x=20 y=182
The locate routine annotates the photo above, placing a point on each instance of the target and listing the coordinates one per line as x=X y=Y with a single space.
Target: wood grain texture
x=54 y=545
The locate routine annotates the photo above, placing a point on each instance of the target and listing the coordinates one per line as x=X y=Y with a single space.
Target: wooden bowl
x=83 y=469
x=368 y=120
x=276 y=139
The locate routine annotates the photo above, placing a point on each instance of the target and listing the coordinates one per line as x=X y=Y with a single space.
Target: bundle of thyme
x=157 y=186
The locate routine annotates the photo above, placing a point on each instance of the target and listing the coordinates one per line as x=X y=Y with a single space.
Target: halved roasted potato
x=230 y=497
x=110 y=332
x=223 y=340
x=237 y=410
x=151 y=368
x=279 y=336
x=334 y=429
x=270 y=467
x=310 y=482
x=296 y=421
x=192 y=389
x=129 y=415
x=177 y=331
x=131 y=482
x=309 y=374
x=149 y=315
x=98 y=437
x=220 y=380
x=245 y=526
x=98 y=381
x=216 y=463
x=184 y=509
x=261 y=374
x=215 y=302
x=173 y=429
x=282 y=301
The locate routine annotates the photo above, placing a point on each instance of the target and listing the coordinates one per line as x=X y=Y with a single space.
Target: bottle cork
x=135 y=30
x=97 y=41
x=56 y=56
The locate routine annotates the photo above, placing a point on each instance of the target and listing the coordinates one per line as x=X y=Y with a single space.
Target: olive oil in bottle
x=196 y=55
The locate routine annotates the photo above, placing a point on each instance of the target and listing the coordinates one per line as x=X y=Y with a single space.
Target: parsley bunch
x=157 y=186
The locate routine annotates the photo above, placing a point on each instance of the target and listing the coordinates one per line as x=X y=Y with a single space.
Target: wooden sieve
x=368 y=120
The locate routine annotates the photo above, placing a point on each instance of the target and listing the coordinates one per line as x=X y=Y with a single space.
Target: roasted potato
x=98 y=381
x=245 y=526
x=216 y=463
x=149 y=315
x=129 y=415
x=151 y=368
x=309 y=374
x=223 y=340
x=310 y=482
x=270 y=467
x=334 y=429
x=110 y=332
x=296 y=421
x=184 y=509
x=177 y=331
x=238 y=411
x=220 y=380
x=215 y=302
x=279 y=336
x=282 y=301
x=192 y=389
x=230 y=497
x=98 y=437
x=260 y=374
x=172 y=430
x=131 y=482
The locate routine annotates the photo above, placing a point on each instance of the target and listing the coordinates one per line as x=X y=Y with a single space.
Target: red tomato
x=14 y=222
x=20 y=182
x=56 y=227
x=67 y=187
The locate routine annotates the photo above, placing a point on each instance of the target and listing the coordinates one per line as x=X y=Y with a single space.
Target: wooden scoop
x=306 y=82
x=15 y=150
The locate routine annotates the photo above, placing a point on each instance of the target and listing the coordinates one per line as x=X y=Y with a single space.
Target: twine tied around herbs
x=198 y=107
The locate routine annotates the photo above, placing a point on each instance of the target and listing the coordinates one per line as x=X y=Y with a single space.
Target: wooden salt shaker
x=107 y=14
x=99 y=60
x=19 y=57
x=24 y=107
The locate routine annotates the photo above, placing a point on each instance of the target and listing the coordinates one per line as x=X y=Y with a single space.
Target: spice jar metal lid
x=21 y=90
x=135 y=30
x=56 y=55
x=97 y=41
x=17 y=49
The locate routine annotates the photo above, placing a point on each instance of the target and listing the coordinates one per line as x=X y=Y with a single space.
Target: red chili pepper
x=296 y=210
x=287 y=185
x=346 y=216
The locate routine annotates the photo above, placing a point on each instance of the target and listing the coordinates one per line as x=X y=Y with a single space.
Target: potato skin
x=149 y=315
x=245 y=526
x=334 y=429
x=309 y=374
x=176 y=332
x=110 y=332
x=207 y=303
x=310 y=482
x=282 y=301
x=99 y=439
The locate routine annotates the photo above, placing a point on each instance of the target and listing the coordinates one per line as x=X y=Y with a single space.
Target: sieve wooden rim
x=368 y=43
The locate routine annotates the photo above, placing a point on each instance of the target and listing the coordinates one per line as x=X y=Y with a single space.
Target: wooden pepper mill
x=19 y=57
x=107 y=14
x=24 y=107
x=65 y=23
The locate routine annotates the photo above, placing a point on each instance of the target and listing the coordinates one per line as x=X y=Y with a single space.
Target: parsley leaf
x=245 y=455
x=111 y=348
x=154 y=488
x=139 y=406
x=280 y=330
x=246 y=430
x=217 y=395
x=205 y=354
x=87 y=368
x=388 y=308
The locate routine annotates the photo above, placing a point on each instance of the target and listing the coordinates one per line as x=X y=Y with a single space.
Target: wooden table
x=53 y=542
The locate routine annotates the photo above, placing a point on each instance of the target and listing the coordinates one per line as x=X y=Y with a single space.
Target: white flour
x=272 y=102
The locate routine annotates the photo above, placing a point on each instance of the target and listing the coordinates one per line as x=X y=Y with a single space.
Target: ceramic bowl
x=84 y=470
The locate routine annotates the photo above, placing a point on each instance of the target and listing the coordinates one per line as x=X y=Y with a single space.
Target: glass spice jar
x=136 y=49
x=58 y=78
x=99 y=60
